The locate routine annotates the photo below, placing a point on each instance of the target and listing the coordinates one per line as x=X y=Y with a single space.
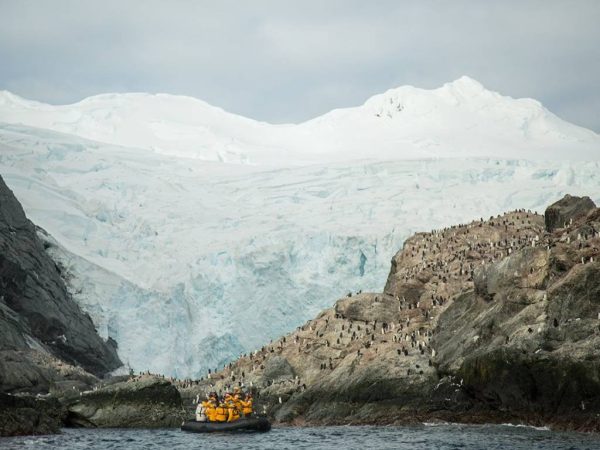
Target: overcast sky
x=288 y=61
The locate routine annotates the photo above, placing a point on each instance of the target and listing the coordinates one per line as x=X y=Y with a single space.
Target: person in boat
x=232 y=410
x=201 y=411
x=247 y=405
x=210 y=407
x=237 y=400
x=221 y=412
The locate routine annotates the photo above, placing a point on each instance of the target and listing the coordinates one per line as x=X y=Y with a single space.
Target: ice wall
x=187 y=263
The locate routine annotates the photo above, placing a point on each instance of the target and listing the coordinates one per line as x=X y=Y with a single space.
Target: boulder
x=515 y=276
x=148 y=402
x=26 y=415
x=278 y=368
x=368 y=307
x=568 y=208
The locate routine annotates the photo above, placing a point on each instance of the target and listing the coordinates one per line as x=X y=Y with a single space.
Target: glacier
x=192 y=235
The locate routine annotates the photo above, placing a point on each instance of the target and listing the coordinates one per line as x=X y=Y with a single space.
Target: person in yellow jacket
x=237 y=401
x=221 y=412
x=211 y=409
x=233 y=413
x=247 y=406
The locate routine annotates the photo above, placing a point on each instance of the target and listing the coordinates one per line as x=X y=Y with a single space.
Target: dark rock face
x=148 y=402
x=526 y=340
x=537 y=359
x=567 y=209
x=38 y=318
x=20 y=416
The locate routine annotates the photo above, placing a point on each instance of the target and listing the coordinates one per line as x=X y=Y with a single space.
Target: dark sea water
x=341 y=438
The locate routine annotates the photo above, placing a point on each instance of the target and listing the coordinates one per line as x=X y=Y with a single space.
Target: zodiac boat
x=245 y=424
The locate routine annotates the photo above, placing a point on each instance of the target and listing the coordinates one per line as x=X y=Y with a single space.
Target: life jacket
x=237 y=400
x=211 y=411
x=233 y=412
x=221 y=413
x=247 y=407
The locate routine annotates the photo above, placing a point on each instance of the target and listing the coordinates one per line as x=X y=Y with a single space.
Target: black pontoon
x=249 y=424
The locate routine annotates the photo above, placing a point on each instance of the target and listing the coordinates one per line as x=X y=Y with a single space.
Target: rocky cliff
x=36 y=312
x=47 y=343
x=492 y=321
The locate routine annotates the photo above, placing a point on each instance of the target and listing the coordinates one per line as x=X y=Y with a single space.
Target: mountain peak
x=465 y=89
x=465 y=83
x=398 y=101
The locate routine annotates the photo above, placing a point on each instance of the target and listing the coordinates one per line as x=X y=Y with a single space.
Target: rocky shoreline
x=117 y=402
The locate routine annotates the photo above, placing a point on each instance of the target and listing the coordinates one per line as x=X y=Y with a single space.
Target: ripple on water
x=440 y=436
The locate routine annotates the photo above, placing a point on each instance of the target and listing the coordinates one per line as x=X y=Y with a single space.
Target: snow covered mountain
x=460 y=119
x=187 y=257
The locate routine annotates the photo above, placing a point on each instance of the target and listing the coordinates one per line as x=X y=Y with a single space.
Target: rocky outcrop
x=25 y=415
x=492 y=321
x=145 y=402
x=41 y=327
x=534 y=349
x=566 y=210
x=38 y=372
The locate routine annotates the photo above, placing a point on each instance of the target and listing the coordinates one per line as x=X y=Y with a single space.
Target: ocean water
x=349 y=437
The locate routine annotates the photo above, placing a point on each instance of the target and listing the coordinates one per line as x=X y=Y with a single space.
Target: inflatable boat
x=249 y=424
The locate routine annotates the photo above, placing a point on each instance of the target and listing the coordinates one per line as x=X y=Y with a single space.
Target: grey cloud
x=292 y=60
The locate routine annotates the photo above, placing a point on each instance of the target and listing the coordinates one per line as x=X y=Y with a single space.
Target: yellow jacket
x=237 y=401
x=221 y=413
x=233 y=412
x=246 y=407
x=211 y=411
